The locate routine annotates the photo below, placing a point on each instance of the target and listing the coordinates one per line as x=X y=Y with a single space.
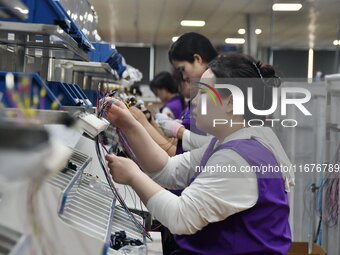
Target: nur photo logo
x=280 y=99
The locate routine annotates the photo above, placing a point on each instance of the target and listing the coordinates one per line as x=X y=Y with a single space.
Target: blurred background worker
x=164 y=87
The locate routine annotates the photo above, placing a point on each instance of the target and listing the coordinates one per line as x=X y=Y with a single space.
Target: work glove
x=169 y=126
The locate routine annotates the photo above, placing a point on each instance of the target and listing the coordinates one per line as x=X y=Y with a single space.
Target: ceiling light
x=287 y=7
x=175 y=38
x=258 y=31
x=192 y=23
x=336 y=42
x=235 y=41
x=241 y=31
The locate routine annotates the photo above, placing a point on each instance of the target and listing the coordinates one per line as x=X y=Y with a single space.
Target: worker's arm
x=164 y=143
x=148 y=153
x=125 y=171
x=212 y=197
x=191 y=141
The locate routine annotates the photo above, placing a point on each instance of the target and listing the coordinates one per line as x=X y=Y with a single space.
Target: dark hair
x=189 y=44
x=178 y=78
x=244 y=71
x=164 y=80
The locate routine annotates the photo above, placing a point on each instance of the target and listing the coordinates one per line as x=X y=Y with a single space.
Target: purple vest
x=189 y=122
x=175 y=105
x=260 y=230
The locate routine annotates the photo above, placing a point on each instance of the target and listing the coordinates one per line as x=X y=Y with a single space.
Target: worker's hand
x=139 y=115
x=169 y=126
x=119 y=115
x=162 y=117
x=123 y=170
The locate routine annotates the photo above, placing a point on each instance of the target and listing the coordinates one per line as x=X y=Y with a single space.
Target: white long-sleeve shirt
x=211 y=197
x=191 y=141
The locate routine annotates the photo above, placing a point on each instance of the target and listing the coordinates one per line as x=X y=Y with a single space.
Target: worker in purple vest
x=189 y=56
x=164 y=87
x=229 y=211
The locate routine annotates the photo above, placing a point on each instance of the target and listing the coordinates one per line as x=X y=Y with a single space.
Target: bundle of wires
x=331 y=199
x=114 y=190
x=101 y=112
x=331 y=193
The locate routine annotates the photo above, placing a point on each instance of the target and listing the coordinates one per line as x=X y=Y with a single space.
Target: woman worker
x=219 y=212
x=189 y=55
x=164 y=87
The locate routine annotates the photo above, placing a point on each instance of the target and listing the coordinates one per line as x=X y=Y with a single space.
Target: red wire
x=98 y=95
x=153 y=229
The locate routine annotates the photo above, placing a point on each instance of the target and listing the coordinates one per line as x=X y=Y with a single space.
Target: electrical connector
x=92 y=125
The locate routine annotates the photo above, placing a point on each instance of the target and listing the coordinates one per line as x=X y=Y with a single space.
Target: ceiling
x=157 y=21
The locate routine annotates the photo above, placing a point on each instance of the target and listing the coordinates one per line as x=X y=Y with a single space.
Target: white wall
x=161 y=59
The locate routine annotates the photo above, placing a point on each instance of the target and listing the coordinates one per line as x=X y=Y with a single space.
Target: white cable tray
x=122 y=222
x=11 y=242
x=89 y=205
x=62 y=179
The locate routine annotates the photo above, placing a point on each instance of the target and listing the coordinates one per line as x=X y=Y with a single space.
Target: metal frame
x=12 y=241
x=40 y=36
x=64 y=70
x=15 y=8
x=89 y=210
x=333 y=126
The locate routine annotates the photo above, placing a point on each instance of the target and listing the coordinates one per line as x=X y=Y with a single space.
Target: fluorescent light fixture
x=241 y=31
x=310 y=64
x=22 y=10
x=336 y=42
x=293 y=7
x=175 y=38
x=258 y=31
x=192 y=23
x=235 y=41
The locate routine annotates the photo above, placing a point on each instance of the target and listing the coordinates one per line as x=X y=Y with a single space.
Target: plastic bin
x=16 y=98
x=69 y=94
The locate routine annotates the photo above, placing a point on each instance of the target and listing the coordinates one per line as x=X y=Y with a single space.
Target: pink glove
x=169 y=126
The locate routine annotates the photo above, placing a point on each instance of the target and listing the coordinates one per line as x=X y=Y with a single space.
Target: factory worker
x=189 y=55
x=164 y=87
x=219 y=212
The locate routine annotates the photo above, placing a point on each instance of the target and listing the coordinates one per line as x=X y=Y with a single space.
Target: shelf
x=41 y=116
x=41 y=40
x=93 y=69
